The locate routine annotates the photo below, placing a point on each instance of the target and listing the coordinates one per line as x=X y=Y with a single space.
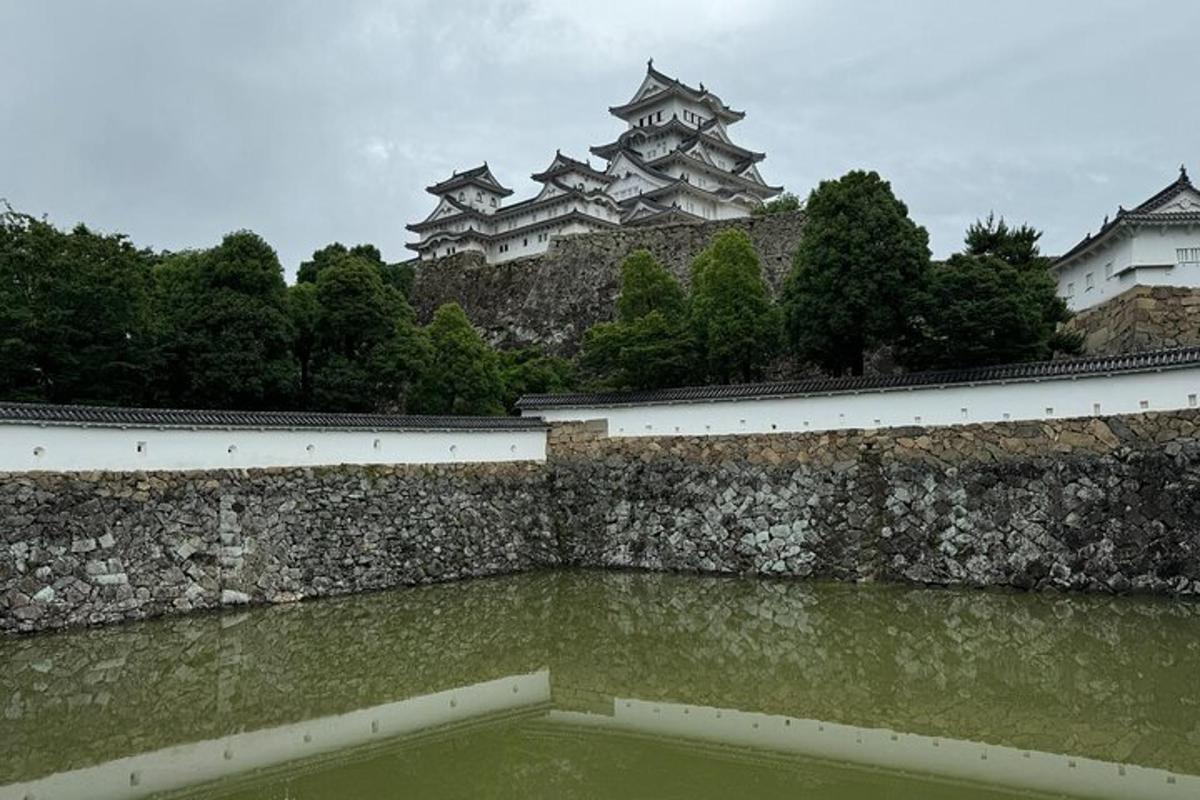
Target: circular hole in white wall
x=39 y=452
x=377 y=444
x=512 y=448
x=310 y=448
x=453 y=448
x=232 y=449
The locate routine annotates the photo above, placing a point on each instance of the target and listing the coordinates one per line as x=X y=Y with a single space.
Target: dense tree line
x=87 y=317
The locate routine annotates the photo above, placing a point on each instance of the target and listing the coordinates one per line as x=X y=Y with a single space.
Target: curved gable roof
x=1149 y=211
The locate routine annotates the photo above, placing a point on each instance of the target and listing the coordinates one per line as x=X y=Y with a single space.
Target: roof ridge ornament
x=650 y=63
x=1183 y=176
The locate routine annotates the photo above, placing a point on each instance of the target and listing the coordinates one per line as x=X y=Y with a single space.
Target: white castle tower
x=674 y=163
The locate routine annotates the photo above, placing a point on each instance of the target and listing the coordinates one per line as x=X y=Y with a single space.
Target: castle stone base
x=1143 y=318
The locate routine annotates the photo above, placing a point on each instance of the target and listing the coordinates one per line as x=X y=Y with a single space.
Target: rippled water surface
x=603 y=685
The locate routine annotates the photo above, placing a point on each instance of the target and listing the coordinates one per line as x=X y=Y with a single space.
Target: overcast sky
x=176 y=121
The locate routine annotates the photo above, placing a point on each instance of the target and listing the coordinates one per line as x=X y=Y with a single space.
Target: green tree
x=858 y=276
x=223 y=327
x=398 y=276
x=730 y=311
x=1015 y=246
x=303 y=311
x=528 y=370
x=359 y=362
x=649 y=345
x=994 y=303
x=463 y=373
x=74 y=314
x=646 y=286
x=780 y=205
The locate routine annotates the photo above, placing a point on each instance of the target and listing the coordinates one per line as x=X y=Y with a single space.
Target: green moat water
x=610 y=685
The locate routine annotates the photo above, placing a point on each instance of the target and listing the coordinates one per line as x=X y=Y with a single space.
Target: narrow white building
x=674 y=162
x=1154 y=244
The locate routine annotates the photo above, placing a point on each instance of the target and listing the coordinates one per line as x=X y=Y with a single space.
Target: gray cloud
x=309 y=122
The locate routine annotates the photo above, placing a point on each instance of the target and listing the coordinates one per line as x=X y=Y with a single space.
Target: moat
x=615 y=685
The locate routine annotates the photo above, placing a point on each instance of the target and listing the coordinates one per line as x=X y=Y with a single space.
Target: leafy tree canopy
x=780 y=205
x=994 y=303
x=858 y=274
x=646 y=286
x=731 y=316
x=649 y=346
x=398 y=276
x=74 y=314
x=528 y=370
x=463 y=374
x=223 y=327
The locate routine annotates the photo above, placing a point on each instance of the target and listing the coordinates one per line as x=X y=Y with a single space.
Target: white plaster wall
x=956 y=405
x=1148 y=246
x=70 y=448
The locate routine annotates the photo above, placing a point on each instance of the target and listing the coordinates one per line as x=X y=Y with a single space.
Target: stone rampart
x=89 y=548
x=1107 y=505
x=552 y=298
x=1143 y=318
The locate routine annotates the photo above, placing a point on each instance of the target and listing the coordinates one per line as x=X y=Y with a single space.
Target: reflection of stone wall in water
x=1107 y=505
x=1143 y=318
x=551 y=299
x=1086 y=676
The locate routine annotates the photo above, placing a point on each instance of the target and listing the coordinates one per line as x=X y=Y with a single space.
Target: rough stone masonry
x=1106 y=505
x=552 y=298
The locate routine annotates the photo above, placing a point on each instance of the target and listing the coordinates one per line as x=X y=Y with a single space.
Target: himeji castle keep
x=675 y=162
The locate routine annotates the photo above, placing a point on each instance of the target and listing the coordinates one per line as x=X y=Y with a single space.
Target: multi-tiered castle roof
x=675 y=162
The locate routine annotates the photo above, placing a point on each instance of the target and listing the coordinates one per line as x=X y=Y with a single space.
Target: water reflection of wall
x=196 y=762
x=334 y=745
x=1112 y=680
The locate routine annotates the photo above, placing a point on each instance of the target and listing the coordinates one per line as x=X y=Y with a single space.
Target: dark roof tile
x=106 y=416
x=1032 y=371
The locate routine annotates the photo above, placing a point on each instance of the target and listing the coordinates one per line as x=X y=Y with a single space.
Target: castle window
x=1108 y=271
x=1070 y=290
x=660 y=116
x=1090 y=280
x=1188 y=256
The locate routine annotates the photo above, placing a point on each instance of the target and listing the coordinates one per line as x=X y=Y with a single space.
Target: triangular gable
x=699 y=152
x=751 y=173
x=487 y=177
x=1185 y=200
x=716 y=129
x=445 y=208
x=622 y=163
x=650 y=85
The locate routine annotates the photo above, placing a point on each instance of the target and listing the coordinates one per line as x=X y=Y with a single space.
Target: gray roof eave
x=152 y=418
x=1151 y=361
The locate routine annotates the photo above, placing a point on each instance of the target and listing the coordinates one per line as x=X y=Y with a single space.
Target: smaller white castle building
x=675 y=162
x=1155 y=244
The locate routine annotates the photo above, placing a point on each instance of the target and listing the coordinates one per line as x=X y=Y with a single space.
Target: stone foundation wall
x=1143 y=318
x=104 y=547
x=552 y=298
x=1104 y=505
